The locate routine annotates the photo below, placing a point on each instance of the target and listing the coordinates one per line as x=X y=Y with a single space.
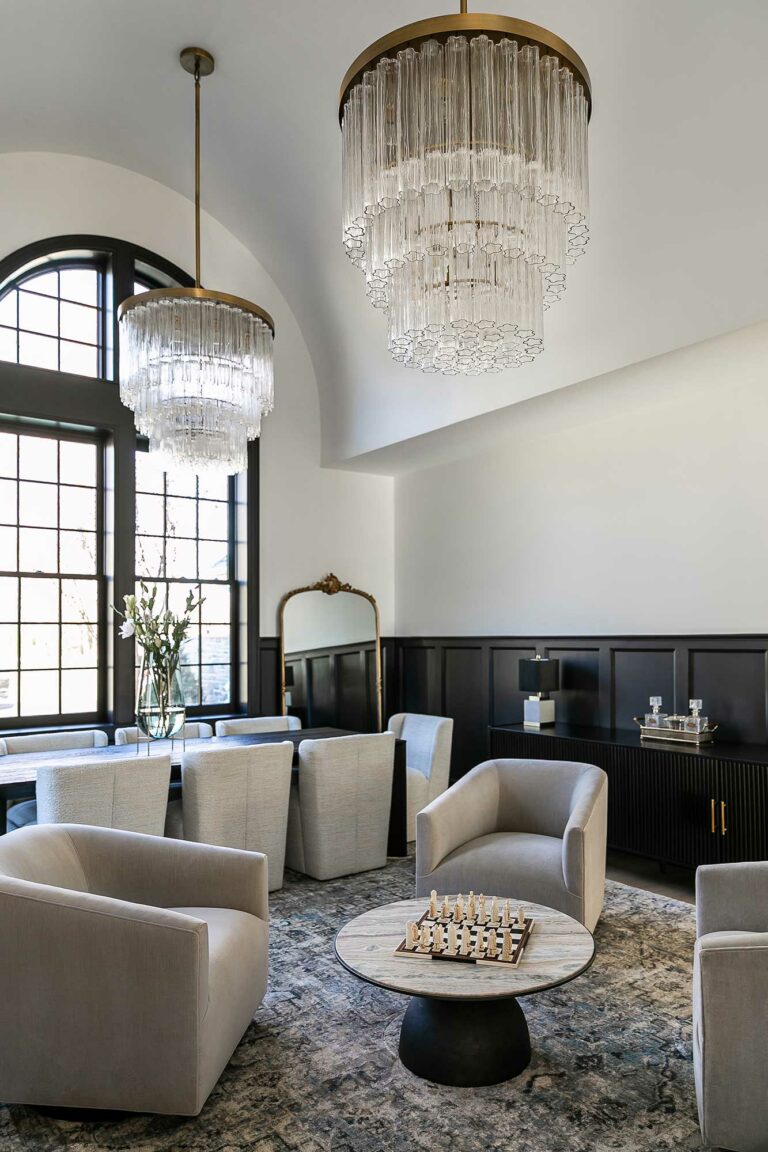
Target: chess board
x=478 y=953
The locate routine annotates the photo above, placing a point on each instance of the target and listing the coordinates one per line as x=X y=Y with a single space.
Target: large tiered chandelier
x=196 y=365
x=465 y=185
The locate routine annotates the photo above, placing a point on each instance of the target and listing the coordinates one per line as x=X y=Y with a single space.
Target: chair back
x=53 y=741
x=42 y=855
x=428 y=742
x=193 y=730
x=238 y=798
x=106 y=793
x=250 y=725
x=345 y=790
x=538 y=796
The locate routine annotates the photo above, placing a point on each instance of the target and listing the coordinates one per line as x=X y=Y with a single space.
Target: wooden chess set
x=475 y=930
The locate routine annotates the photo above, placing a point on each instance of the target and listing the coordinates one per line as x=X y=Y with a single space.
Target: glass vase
x=160 y=709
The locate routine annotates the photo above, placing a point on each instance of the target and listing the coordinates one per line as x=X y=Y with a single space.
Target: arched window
x=75 y=484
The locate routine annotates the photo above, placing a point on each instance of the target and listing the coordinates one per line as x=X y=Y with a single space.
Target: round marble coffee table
x=463 y=1025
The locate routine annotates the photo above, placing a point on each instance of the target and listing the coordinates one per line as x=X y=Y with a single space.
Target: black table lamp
x=539 y=677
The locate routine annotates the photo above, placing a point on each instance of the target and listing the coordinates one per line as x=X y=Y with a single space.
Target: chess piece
x=506 y=946
x=433 y=904
x=481 y=917
x=506 y=915
x=478 y=943
x=466 y=940
x=425 y=936
x=453 y=940
x=492 y=944
x=495 y=911
x=437 y=940
x=411 y=935
x=520 y=917
x=471 y=906
x=445 y=911
x=458 y=911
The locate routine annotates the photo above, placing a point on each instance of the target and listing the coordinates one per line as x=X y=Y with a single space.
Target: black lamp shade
x=539 y=675
x=289 y=679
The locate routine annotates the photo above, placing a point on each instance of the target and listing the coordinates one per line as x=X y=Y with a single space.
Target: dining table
x=18 y=771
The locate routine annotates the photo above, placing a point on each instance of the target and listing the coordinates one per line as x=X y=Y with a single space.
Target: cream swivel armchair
x=237 y=798
x=130 y=965
x=192 y=730
x=26 y=812
x=531 y=829
x=338 y=821
x=249 y=725
x=730 y=1005
x=428 y=758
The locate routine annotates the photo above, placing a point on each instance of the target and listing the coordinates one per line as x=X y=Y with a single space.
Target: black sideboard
x=674 y=803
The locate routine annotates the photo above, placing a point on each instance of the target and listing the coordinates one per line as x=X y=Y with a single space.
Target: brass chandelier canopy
x=465 y=193
x=196 y=366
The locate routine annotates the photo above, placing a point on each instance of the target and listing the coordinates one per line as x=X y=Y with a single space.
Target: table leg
x=465 y=1043
x=397 y=842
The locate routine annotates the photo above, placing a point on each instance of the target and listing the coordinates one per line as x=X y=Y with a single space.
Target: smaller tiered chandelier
x=465 y=195
x=196 y=365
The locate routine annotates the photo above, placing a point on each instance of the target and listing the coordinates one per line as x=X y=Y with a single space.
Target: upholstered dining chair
x=192 y=730
x=529 y=829
x=130 y=965
x=26 y=812
x=730 y=1005
x=250 y=725
x=339 y=812
x=428 y=742
x=236 y=798
x=106 y=793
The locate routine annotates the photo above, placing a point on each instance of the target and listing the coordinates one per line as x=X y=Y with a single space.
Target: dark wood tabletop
x=18 y=771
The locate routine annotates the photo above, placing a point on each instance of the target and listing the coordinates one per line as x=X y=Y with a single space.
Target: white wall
x=635 y=503
x=312 y=520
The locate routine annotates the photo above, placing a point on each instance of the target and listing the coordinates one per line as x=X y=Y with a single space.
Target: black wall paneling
x=335 y=687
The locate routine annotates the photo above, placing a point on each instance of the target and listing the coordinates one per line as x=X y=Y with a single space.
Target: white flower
x=127 y=629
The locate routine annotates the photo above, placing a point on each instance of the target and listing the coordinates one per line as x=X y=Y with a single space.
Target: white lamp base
x=538 y=713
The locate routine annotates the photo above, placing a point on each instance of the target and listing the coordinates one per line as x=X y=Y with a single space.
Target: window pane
x=77 y=552
x=79 y=601
x=82 y=359
x=190 y=649
x=8 y=491
x=80 y=284
x=181 y=519
x=213 y=487
x=215 y=683
x=9 y=695
x=177 y=597
x=38 y=504
x=38 y=313
x=181 y=483
x=39 y=351
x=39 y=693
x=38 y=457
x=78 y=463
x=79 y=647
x=214 y=560
x=214 y=520
x=8 y=449
x=45 y=282
x=9 y=645
x=215 y=609
x=9 y=598
x=77 y=508
x=8 y=309
x=149 y=477
x=39 y=599
x=40 y=646
x=38 y=550
x=79 y=323
x=215 y=645
x=180 y=558
x=9 y=344
x=149 y=557
x=79 y=690
x=150 y=515
x=190 y=682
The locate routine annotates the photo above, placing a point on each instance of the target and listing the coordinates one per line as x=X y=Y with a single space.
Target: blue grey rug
x=318 y=1069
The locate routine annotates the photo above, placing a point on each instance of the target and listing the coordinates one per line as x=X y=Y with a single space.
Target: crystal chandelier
x=465 y=190
x=196 y=365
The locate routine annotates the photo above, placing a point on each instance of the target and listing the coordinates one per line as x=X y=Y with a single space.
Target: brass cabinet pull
x=723 y=828
x=712 y=814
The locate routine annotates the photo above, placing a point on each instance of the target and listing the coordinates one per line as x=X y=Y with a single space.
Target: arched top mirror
x=330 y=656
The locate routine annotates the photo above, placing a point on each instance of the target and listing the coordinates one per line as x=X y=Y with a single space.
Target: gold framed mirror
x=330 y=656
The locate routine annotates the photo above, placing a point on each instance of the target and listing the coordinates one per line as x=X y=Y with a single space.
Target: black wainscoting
x=335 y=687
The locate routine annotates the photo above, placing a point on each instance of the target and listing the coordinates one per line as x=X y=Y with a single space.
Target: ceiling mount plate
x=192 y=57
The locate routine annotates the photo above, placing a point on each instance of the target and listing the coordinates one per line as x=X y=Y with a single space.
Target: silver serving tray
x=675 y=735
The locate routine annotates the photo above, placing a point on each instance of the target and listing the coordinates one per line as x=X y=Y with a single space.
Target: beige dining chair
x=25 y=812
x=106 y=793
x=428 y=742
x=236 y=798
x=192 y=730
x=252 y=725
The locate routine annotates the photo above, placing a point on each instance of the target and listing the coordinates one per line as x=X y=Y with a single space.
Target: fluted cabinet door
x=743 y=812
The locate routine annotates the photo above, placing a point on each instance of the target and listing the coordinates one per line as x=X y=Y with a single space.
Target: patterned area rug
x=318 y=1069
